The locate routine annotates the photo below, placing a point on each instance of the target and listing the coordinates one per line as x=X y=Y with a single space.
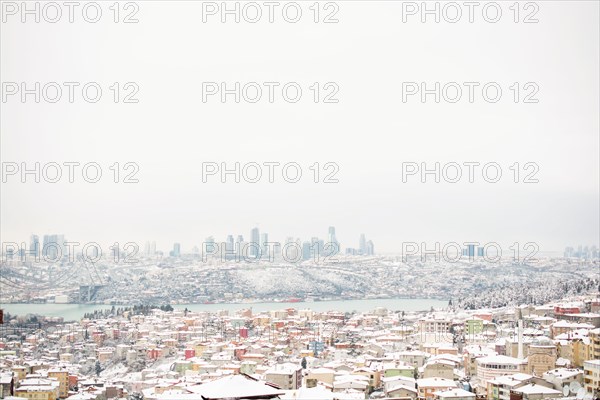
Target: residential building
x=454 y=394
x=532 y=391
x=428 y=386
x=62 y=376
x=591 y=377
x=287 y=376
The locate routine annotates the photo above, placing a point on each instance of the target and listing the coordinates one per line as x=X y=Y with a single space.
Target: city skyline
x=147 y=247
x=33 y=246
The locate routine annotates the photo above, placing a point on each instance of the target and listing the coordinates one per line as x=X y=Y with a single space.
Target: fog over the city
x=369 y=133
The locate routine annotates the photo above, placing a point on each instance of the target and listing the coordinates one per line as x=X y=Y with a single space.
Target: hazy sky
x=369 y=133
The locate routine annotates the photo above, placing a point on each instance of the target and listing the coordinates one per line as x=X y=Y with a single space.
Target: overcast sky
x=369 y=133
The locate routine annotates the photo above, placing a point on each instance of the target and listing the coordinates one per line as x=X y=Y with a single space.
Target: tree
x=98 y=368
x=416 y=373
x=303 y=363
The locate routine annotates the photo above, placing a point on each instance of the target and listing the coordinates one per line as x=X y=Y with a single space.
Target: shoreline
x=73 y=311
x=286 y=301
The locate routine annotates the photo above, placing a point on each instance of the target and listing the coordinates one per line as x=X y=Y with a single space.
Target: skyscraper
x=254 y=242
x=229 y=246
x=370 y=248
x=209 y=245
x=470 y=250
x=264 y=238
x=176 y=250
x=315 y=247
x=54 y=247
x=362 y=244
x=334 y=245
x=306 y=250
x=34 y=246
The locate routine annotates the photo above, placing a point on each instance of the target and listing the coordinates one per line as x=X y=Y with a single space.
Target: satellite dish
x=565 y=390
x=580 y=393
x=574 y=387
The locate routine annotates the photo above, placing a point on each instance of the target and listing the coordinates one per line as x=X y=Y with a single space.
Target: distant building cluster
x=259 y=246
x=52 y=247
x=582 y=252
x=529 y=352
x=365 y=247
x=55 y=247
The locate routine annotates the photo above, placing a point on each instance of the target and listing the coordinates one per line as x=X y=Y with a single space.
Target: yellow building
x=594 y=346
x=38 y=389
x=591 y=376
x=325 y=375
x=62 y=376
x=581 y=352
x=20 y=372
x=199 y=349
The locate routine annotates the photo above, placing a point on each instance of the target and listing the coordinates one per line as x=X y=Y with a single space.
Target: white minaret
x=520 y=333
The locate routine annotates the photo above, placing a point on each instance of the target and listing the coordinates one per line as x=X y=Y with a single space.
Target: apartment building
x=287 y=376
x=591 y=377
x=502 y=387
x=62 y=376
x=428 y=386
x=532 y=391
x=454 y=394
x=562 y=377
x=594 y=344
x=38 y=389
